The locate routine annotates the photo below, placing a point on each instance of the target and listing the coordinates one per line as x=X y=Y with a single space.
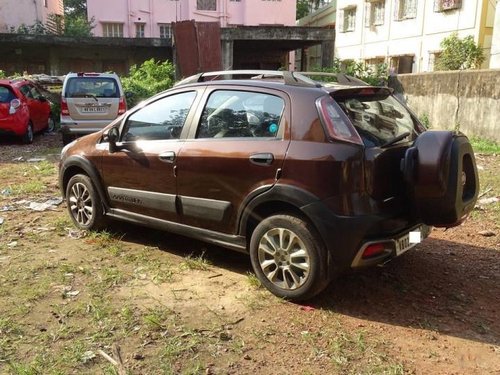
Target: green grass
x=195 y=263
x=485 y=146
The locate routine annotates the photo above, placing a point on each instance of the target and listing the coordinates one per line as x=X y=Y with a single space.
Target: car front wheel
x=288 y=257
x=84 y=204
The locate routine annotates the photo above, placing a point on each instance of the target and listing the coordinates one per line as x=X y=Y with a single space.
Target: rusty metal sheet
x=209 y=46
x=197 y=46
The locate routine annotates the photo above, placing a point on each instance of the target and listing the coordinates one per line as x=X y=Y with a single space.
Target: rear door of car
x=92 y=97
x=236 y=149
x=36 y=107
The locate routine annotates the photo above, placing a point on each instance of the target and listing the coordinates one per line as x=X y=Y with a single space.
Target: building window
x=444 y=5
x=46 y=3
x=374 y=13
x=139 y=30
x=347 y=19
x=165 y=30
x=401 y=64
x=405 y=9
x=433 y=61
x=206 y=4
x=112 y=30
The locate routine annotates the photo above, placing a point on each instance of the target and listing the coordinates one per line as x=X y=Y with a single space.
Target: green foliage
x=2 y=74
x=148 y=79
x=302 y=9
x=424 y=119
x=373 y=75
x=38 y=28
x=459 y=54
x=485 y=146
x=78 y=27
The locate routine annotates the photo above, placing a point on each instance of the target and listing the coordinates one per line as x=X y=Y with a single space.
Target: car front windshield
x=378 y=117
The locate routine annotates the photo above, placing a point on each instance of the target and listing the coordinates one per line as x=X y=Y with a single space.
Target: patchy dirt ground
x=138 y=301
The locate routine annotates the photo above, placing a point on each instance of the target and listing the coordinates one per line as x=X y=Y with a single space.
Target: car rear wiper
x=395 y=139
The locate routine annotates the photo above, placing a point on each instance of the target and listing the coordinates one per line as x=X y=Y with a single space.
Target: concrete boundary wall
x=469 y=99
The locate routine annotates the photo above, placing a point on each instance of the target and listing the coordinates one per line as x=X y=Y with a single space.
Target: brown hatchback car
x=312 y=180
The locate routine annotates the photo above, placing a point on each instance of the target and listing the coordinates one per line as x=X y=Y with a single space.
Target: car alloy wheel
x=283 y=258
x=288 y=257
x=51 y=124
x=84 y=204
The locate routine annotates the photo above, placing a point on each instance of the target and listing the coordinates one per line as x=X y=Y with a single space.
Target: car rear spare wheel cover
x=283 y=258
x=81 y=204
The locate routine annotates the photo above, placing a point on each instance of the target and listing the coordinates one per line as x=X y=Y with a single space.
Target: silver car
x=89 y=102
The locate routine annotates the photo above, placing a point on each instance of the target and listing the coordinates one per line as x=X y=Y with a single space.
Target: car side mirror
x=112 y=137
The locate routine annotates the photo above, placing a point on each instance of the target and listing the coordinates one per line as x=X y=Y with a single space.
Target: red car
x=23 y=109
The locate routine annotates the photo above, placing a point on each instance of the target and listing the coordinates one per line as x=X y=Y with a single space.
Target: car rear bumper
x=346 y=237
x=11 y=128
x=69 y=126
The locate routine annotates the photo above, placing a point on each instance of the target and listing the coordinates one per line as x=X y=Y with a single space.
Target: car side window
x=161 y=119
x=231 y=113
x=25 y=90
x=6 y=95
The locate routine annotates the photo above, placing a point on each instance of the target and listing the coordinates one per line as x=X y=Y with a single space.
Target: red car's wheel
x=28 y=135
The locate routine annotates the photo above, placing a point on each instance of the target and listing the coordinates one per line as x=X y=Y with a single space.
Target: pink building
x=152 y=18
x=14 y=13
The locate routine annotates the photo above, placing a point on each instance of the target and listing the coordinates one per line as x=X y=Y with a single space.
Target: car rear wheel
x=28 y=135
x=288 y=257
x=51 y=124
x=84 y=204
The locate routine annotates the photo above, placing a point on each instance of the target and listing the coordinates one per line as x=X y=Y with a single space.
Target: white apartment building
x=406 y=34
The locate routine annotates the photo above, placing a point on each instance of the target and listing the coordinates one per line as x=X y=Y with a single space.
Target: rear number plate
x=93 y=109
x=409 y=240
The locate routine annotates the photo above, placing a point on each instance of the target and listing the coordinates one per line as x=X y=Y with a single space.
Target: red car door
x=39 y=110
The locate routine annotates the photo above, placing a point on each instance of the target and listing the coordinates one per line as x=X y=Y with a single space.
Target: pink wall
x=14 y=13
x=154 y=12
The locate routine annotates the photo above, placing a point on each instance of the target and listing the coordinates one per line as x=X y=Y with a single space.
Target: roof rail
x=290 y=78
x=340 y=78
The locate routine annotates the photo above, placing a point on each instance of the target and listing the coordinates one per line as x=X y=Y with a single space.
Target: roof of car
x=14 y=81
x=283 y=76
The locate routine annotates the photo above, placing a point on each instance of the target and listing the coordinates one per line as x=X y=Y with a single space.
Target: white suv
x=89 y=102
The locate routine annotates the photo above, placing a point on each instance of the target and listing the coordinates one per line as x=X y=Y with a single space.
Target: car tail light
x=337 y=123
x=14 y=105
x=64 y=107
x=122 y=106
x=373 y=250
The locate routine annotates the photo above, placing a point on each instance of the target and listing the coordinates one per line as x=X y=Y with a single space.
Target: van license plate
x=93 y=109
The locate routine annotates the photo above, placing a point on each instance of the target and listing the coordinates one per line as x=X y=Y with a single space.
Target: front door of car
x=140 y=176
x=236 y=150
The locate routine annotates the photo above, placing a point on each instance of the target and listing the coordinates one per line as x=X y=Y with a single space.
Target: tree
x=459 y=54
x=302 y=9
x=373 y=75
x=75 y=19
x=148 y=79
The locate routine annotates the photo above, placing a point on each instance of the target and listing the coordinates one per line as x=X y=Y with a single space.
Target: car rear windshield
x=99 y=87
x=377 y=116
x=6 y=94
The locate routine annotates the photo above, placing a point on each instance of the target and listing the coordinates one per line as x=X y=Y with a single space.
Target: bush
x=459 y=54
x=147 y=80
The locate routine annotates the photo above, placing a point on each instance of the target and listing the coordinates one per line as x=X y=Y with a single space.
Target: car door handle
x=265 y=158
x=167 y=157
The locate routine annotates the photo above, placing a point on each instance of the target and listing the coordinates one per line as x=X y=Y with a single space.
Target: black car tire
x=84 y=204
x=28 y=135
x=288 y=257
x=51 y=124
